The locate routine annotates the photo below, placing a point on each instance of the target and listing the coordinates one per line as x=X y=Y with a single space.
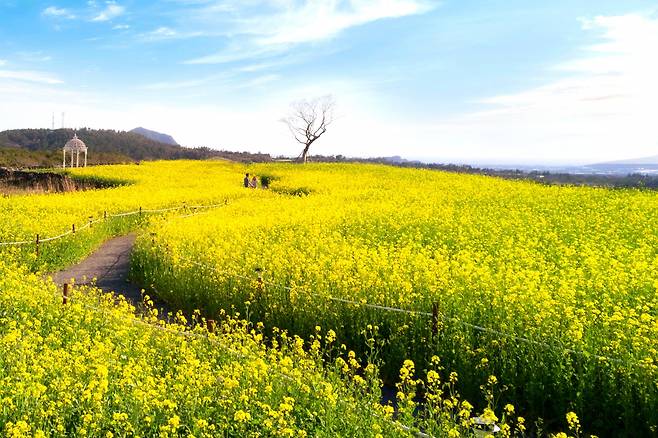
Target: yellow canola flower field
x=563 y=280
x=560 y=281
x=151 y=185
x=94 y=367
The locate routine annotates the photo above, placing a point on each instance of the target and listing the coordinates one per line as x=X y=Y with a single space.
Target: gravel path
x=109 y=265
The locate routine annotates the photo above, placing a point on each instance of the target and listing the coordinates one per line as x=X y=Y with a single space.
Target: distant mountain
x=156 y=136
x=644 y=160
x=396 y=159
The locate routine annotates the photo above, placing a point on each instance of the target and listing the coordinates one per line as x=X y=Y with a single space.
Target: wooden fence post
x=37 y=245
x=140 y=211
x=210 y=325
x=259 y=273
x=105 y=215
x=90 y=221
x=435 y=319
x=73 y=228
x=65 y=293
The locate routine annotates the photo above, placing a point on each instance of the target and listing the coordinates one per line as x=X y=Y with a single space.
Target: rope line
x=128 y=213
x=140 y=322
x=439 y=315
x=56 y=237
x=22 y=242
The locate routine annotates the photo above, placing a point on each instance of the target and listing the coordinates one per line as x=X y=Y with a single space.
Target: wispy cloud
x=602 y=102
x=262 y=80
x=110 y=11
x=239 y=53
x=54 y=11
x=35 y=56
x=622 y=66
x=228 y=79
x=164 y=33
x=3 y=62
x=121 y=27
x=286 y=24
x=319 y=20
x=29 y=76
x=182 y=84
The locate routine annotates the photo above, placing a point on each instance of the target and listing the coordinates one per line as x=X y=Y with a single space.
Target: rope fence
x=66 y=299
x=435 y=315
x=38 y=240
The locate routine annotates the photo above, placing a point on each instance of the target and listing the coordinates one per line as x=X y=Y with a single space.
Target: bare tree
x=308 y=120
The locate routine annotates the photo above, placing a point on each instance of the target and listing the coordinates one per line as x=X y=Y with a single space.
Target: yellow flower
x=572 y=421
x=241 y=416
x=174 y=422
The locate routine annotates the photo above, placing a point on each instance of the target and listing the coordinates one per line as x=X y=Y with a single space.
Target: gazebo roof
x=75 y=145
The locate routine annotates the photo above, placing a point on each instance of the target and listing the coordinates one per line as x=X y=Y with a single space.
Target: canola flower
x=150 y=185
x=571 y=268
x=89 y=368
x=93 y=367
x=568 y=266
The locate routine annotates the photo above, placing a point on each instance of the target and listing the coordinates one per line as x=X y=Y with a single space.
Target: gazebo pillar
x=77 y=158
x=85 y=157
x=64 y=159
x=71 y=159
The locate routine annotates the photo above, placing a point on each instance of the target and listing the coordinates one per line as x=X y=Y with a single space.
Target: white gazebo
x=74 y=146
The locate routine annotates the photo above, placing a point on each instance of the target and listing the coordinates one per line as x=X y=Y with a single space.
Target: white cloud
x=238 y=53
x=2 y=62
x=602 y=108
x=54 y=11
x=261 y=80
x=29 y=76
x=177 y=85
x=319 y=20
x=164 y=31
x=35 y=56
x=121 y=27
x=112 y=10
x=288 y=23
x=227 y=80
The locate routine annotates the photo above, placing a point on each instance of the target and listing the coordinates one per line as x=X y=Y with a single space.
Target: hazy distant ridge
x=156 y=136
x=643 y=160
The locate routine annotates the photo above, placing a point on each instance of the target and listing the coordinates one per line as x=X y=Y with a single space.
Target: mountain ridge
x=653 y=159
x=155 y=136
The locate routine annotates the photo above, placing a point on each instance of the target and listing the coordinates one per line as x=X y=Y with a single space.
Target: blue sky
x=461 y=81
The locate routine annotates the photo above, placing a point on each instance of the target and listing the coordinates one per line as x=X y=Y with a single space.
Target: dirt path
x=109 y=265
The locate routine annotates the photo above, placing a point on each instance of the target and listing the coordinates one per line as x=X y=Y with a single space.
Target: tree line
x=43 y=148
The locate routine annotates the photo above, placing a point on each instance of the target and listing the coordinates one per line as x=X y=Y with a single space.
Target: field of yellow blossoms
x=522 y=299
x=560 y=281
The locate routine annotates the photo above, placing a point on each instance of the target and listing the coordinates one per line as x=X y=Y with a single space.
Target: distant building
x=74 y=146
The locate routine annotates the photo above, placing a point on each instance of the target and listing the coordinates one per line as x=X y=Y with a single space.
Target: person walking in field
x=254 y=182
x=246 y=181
